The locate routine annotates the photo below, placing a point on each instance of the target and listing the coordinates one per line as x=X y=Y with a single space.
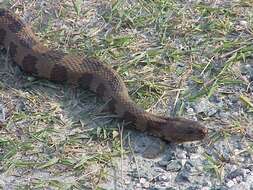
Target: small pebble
x=238 y=179
x=142 y=180
x=20 y=106
x=205 y=106
x=138 y=185
x=146 y=185
x=173 y=166
x=181 y=155
x=163 y=163
x=164 y=178
x=230 y=183
x=182 y=177
x=190 y=111
x=236 y=173
x=244 y=23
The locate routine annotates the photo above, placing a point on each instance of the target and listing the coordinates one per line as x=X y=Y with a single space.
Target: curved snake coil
x=34 y=58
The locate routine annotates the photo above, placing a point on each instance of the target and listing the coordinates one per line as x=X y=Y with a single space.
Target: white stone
x=142 y=180
x=230 y=183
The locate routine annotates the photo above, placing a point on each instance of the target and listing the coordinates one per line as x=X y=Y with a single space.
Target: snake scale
x=34 y=58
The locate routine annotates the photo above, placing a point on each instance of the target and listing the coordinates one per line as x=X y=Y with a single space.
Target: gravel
x=223 y=161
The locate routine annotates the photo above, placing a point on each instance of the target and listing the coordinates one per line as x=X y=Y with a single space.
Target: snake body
x=35 y=58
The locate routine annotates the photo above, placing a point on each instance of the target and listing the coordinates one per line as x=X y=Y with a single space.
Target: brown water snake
x=35 y=58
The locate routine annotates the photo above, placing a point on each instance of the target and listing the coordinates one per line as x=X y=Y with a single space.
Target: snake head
x=182 y=130
x=178 y=130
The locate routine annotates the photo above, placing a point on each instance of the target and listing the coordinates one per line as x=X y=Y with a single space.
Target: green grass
x=166 y=52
